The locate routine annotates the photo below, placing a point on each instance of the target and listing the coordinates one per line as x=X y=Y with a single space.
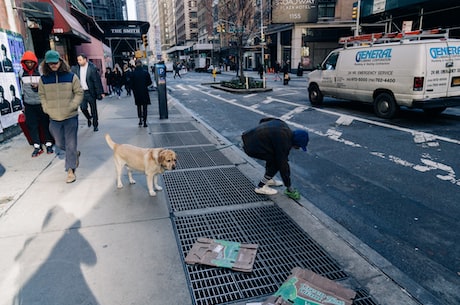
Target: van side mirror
x=318 y=67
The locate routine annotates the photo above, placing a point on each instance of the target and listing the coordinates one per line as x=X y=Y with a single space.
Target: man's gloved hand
x=292 y=193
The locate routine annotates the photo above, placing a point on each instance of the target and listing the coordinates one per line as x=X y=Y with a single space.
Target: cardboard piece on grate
x=222 y=253
x=304 y=287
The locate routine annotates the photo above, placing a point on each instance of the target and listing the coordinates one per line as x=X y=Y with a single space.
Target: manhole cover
x=282 y=246
x=198 y=189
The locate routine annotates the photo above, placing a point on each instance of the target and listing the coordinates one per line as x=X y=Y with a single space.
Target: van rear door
x=453 y=86
x=443 y=69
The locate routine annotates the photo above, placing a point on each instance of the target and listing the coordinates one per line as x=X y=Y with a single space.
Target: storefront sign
x=123 y=32
x=294 y=11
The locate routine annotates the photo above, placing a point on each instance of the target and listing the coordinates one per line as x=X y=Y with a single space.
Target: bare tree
x=240 y=16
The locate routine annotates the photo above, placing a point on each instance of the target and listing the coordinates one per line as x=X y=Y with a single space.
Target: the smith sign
x=294 y=11
x=123 y=32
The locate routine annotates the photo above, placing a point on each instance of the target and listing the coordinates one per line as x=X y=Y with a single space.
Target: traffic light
x=145 y=40
x=354 y=11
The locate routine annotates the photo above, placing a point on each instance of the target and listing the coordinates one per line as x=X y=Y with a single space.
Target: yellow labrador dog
x=151 y=161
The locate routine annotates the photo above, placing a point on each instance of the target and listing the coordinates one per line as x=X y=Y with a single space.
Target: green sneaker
x=293 y=195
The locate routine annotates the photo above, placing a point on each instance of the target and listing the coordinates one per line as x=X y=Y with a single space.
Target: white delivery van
x=411 y=72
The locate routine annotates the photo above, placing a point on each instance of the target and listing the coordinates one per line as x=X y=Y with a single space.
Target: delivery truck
x=414 y=70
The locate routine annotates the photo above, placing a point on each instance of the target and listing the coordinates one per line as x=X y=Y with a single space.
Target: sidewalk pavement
x=90 y=243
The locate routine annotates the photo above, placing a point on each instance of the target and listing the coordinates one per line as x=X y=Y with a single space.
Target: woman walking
x=140 y=81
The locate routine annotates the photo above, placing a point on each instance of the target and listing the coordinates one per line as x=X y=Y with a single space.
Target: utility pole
x=262 y=41
x=357 y=11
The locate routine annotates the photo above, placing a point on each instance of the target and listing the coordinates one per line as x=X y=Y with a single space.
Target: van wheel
x=315 y=95
x=385 y=106
x=434 y=111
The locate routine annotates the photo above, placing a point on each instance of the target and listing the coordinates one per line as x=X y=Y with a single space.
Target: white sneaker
x=265 y=190
x=274 y=182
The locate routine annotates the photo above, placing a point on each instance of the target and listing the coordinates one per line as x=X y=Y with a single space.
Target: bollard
x=160 y=78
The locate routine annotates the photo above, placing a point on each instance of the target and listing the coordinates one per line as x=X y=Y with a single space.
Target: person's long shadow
x=59 y=280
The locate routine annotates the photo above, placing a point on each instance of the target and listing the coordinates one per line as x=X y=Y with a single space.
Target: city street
x=391 y=183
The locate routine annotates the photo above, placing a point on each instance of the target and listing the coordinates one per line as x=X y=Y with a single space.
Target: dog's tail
x=109 y=141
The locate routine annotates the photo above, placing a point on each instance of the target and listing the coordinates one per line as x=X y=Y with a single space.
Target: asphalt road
x=392 y=183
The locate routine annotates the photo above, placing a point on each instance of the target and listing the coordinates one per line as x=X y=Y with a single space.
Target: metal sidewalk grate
x=198 y=189
x=282 y=246
x=184 y=138
x=363 y=298
x=172 y=127
x=200 y=156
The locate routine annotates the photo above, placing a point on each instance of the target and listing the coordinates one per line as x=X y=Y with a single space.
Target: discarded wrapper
x=304 y=287
x=222 y=253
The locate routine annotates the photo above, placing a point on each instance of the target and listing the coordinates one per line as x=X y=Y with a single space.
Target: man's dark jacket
x=271 y=141
x=93 y=80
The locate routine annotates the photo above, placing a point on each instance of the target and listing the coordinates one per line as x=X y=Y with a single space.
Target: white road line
x=419 y=137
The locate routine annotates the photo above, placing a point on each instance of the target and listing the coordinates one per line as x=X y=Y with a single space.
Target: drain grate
x=200 y=156
x=180 y=139
x=172 y=127
x=282 y=246
x=198 y=189
x=363 y=298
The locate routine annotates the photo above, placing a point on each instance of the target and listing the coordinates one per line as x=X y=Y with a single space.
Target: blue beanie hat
x=300 y=139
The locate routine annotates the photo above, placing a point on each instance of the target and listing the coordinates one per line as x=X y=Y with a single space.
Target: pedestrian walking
x=36 y=119
x=177 y=67
x=91 y=83
x=117 y=81
x=127 y=73
x=277 y=69
x=61 y=94
x=109 y=80
x=140 y=81
x=286 y=77
x=272 y=141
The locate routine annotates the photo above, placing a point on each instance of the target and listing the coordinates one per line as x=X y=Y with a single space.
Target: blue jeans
x=65 y=135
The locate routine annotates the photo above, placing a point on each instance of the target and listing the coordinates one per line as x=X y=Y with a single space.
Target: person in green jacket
x=61 y=94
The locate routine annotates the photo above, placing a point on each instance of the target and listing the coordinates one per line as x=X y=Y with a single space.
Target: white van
x=411 y=72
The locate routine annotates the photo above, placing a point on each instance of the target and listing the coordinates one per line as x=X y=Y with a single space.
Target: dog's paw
x=119 y=185
x=152 y=193
x=132 y=181
x=158 y=188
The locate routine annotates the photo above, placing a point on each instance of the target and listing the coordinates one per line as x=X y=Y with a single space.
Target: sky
x=131 y=6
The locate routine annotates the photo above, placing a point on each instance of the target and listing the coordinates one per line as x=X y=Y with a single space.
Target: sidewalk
x=91 y=243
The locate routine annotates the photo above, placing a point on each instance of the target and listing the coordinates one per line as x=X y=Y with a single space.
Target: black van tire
x=385 y=106
x=315 y=95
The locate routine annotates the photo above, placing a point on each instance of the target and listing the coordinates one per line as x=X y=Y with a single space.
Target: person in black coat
x=272 y=141
x=140 y=81
x=91 y=83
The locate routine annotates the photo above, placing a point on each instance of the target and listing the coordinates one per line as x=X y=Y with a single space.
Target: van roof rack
x=375 y=38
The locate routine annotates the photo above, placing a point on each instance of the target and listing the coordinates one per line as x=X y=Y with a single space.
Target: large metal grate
x=200 y=156
x=184 y=138
x=172 y=127
x=198 y=189
x=363 y=298
x=282 y=246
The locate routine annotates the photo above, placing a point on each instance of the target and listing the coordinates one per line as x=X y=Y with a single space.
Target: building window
x=326 y=9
